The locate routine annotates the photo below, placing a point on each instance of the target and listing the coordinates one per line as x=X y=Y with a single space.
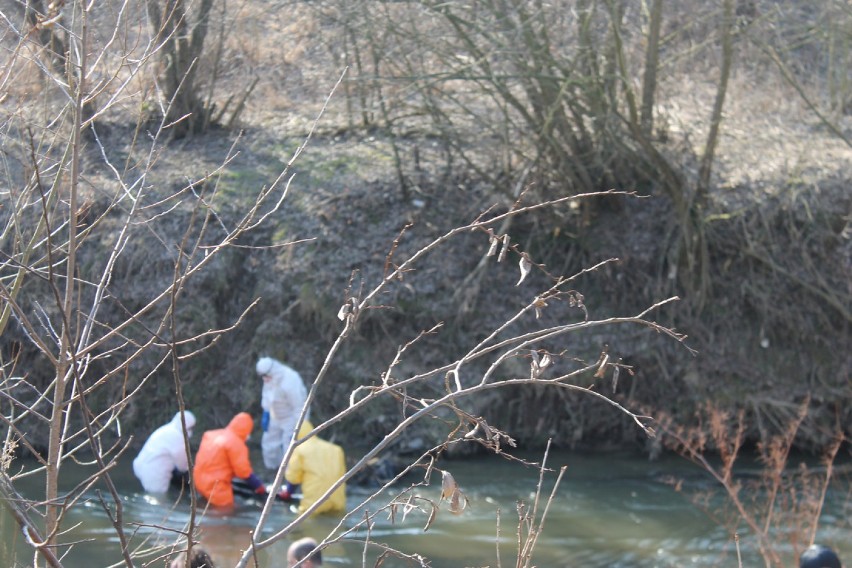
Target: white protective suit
x=283 y=397
x=163 y=452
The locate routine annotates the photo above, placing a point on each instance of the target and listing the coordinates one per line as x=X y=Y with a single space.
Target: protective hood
x=305 y=429
x=242 y=424
x=190 y=420
x=264 y=365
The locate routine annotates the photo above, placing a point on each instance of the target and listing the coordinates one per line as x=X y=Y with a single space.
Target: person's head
x=264 y=368
x=819 y=556
x=242 y=424
x=190 y=421
x=198 y=558
x=300 y=549
x=304 y=429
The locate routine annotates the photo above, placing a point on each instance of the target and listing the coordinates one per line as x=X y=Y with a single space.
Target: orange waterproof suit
x=223 y=455
x=316 y=465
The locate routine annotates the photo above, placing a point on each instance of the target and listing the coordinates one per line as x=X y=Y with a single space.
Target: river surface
x=613 y=510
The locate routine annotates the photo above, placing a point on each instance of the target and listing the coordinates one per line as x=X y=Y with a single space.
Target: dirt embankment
x=772 y=330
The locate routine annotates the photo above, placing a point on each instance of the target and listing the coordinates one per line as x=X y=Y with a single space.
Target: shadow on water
x=610 y=510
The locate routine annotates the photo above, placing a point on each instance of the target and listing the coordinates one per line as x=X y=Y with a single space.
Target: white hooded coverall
x=283 y=397
x=163 y=452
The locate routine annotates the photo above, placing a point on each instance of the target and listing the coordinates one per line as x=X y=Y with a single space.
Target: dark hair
x=302 y=548
x=819 y=556
x=199 y=558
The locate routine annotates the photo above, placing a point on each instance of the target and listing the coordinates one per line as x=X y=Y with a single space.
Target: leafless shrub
x=779 y=505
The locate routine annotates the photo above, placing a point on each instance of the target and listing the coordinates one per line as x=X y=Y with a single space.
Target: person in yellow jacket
x=316 y=465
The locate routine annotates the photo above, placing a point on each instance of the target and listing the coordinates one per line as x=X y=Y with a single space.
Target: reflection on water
x=610 y=510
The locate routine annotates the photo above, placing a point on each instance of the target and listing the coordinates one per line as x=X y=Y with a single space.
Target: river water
x=613 y=510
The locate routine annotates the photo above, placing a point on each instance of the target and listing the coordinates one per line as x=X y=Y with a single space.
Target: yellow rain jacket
x=316 y=465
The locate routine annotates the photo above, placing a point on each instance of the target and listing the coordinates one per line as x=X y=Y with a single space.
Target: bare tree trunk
x=706 y=167
x=183 y=44
x=66 y=356
x=696 y=254
x=652 y=54
x=55 y=45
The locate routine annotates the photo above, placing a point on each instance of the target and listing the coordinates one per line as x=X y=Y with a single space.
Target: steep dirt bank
x=772 y=330
x=760 y=340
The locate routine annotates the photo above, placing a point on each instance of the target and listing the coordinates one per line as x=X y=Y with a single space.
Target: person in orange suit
x=316 y=465
x=223 y=455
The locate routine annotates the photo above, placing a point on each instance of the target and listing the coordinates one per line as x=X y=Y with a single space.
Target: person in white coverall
x=163 y=457
x=282 y=399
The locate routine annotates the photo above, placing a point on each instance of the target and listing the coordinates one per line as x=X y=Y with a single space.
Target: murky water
x=610 y=510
